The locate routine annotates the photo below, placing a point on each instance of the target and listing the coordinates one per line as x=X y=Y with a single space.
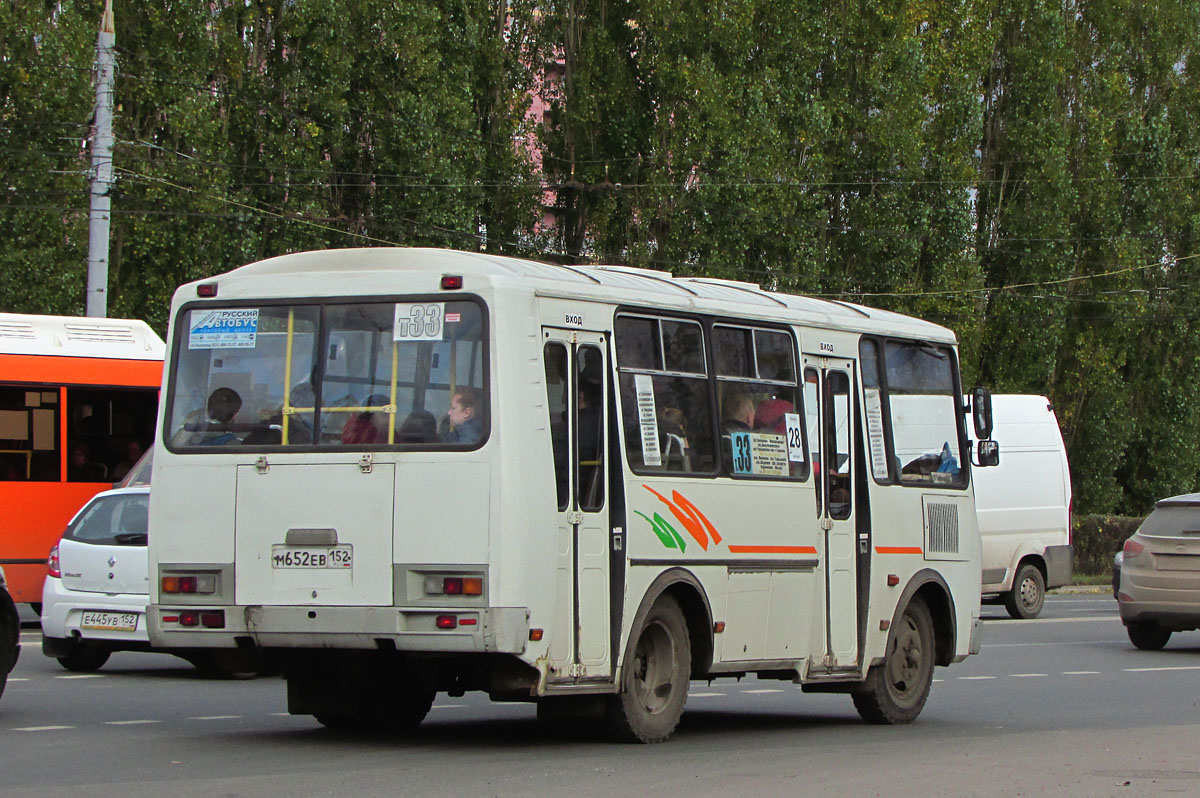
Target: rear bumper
x=1060 y=565
x=62 y=617
x=1168 y=598
x=502 y=630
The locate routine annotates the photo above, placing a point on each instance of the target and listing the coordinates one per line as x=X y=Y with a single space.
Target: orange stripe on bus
x=90 y=371
x=898 y=550
x=773 y=549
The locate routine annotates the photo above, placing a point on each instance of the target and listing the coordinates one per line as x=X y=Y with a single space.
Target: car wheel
x=896 y=691
x=1028 y=593
x=1148 y=636
x=654 y=678
x=84 y=658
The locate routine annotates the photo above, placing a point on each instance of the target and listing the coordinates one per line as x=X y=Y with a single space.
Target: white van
x=1024 y=506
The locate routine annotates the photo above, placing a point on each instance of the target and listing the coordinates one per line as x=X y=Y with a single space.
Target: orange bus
x=78 y=402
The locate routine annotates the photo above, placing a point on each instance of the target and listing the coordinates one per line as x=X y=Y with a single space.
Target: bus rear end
x=322 y=495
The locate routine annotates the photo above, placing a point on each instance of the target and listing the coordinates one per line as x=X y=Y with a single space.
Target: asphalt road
x=1061 y=705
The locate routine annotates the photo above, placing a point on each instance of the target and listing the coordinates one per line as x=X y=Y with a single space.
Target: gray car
x=1158 y=589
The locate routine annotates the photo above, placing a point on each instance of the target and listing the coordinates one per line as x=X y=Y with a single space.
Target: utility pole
x=102 y=168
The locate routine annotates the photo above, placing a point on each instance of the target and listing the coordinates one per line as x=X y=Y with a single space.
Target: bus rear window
x=341 y=375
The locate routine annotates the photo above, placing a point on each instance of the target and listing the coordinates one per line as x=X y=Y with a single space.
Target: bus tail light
x=454 y=586
x=189 y=618
x=203 y=583
x=451 y=282
x=53 y=564
x=206 y=290
x=214 y=619
x=446 y=622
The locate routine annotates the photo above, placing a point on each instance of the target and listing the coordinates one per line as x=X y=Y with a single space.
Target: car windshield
x=120 y=519
x=397 y=373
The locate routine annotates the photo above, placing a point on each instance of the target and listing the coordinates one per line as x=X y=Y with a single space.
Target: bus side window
x=29 y=445
x=665 y=406
x=557 y=391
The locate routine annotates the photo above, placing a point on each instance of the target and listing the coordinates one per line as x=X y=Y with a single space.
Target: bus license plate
x=290 y=557
x=109 y=621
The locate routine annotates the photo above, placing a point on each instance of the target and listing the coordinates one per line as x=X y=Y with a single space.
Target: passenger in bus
x=770 y=416
x=81 y=467
x=419 y=427
x=370 y=426
x=672 y=430
x=133 y=452
x=223 y=404
x=463 y=415
x=738 y=414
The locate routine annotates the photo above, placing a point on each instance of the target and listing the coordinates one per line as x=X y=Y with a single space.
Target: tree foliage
x=1022 y=171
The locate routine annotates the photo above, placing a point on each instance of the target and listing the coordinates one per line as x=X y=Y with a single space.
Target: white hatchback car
x=97 y=588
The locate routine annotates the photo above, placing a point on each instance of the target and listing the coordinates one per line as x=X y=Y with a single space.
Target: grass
x=1092 y=579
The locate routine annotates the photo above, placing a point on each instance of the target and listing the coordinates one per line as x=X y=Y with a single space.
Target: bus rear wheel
x=654 y=678
x=1028 y=593
x=896 y=691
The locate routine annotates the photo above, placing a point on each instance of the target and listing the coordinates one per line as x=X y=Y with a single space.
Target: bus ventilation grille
x=941 y=524
x=99 y=335
x=17 y=329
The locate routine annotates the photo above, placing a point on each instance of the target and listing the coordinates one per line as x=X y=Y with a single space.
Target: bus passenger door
x=577 y=390
x=829 y=406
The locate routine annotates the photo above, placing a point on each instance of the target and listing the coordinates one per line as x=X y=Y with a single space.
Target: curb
x=1080 y=590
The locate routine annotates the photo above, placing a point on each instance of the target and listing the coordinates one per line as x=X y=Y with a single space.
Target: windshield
x=329 y=375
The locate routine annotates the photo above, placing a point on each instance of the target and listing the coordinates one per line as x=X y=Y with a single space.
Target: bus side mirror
x=987 y=453
x=981 y=412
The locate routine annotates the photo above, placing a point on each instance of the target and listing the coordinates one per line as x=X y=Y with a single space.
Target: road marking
x=43 y=728
x=1164 y=668
x=82 y=676
x=975 y=678
x=129 y=722
x=704 y=695
x=215 y=717
x=1026 y=675
x=753 y=692
x=12 y=679
x=1080 y=673
x=1057 y=643
x=1034 y=621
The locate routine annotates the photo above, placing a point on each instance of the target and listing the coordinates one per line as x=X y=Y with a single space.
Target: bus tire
x=1147 y=636
x=1028 y=593
x=654 y=678
x=84 y=658
x=895 y=691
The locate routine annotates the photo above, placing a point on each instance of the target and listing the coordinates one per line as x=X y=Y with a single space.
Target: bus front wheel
x=654 y=679
x=895 y=691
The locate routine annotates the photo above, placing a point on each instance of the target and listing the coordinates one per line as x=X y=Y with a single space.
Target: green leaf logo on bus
x=694 y=522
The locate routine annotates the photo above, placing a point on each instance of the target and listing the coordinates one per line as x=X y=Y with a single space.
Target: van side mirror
x=981 y=412
x=987 y=453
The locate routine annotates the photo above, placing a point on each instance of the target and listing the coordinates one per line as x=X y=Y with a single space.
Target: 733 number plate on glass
x=109 y=621
x=292 y=557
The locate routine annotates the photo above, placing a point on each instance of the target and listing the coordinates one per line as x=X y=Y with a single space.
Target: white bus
x=397 y=472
